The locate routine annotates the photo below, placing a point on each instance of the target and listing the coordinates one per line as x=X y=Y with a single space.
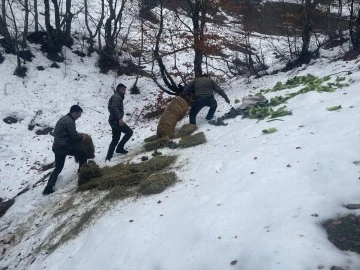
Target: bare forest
x=145 y=38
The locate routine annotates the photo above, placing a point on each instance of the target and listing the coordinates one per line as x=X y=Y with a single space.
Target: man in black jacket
x=204 y=88
x=65 y=139
x=118 y=126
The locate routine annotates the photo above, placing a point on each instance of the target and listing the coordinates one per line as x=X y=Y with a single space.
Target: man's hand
x=227 y=100
x=121 y=122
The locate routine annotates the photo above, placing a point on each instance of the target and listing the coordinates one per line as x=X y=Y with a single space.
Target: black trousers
x=116 y=134
x=201 y=102
x=60 y=156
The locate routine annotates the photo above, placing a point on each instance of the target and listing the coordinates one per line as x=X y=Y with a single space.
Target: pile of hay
x=174 y=112
x=88 y=171
x=157 y=183
x=151 y=138
x=156 y=144
x=88 y=146
x=192 y=140
x=186 y=130
x=127 y=175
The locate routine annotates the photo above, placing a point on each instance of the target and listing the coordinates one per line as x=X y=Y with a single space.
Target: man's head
x=205 y=75
x=76 y=111
x=121 y=88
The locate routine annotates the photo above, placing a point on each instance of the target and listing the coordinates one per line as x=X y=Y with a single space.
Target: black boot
x=108 y=157
x=48 y=190
x=121 y=151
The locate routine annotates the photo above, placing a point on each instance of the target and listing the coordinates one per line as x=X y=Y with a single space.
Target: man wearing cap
x=118 y=126
x=204 y=88
x=65 y=139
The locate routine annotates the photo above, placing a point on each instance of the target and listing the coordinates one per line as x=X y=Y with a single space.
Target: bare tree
x=26 y=23
x=36 y=16
x=354 y=24
x=97 y=24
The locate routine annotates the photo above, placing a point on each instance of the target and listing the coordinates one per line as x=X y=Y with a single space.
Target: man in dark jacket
x=204 y=88
x=118 y=126
x=65 y=139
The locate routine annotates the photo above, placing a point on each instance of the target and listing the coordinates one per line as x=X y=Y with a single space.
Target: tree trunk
x=57 y=16
x=26 y=24
x=36 y=16
x=49 y=28
x=3 y=11
x=68 y=19
x=306 y=33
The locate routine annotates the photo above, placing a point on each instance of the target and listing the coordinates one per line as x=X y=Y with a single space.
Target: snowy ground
x=245 y=201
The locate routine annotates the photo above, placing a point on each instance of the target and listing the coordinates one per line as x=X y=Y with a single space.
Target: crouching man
x=65 y=139
x=204 y=88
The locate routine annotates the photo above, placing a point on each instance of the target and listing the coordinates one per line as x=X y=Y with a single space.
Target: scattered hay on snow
x=112 y=180
x=127 y=174
x=192 y=140
x=151 y=138
x=159 y=143
x=157 y=183
x=186 y=130
x=88 y=171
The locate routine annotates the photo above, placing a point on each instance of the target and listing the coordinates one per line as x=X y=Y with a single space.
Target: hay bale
x=88 y=146
x=151 y=138
x=157 y=183
x=186 y=130
x=88 y=171
x=192 y=140
x=173 y=113
x=159 y=143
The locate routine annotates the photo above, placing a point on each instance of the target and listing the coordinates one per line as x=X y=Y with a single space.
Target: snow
x=244 y=196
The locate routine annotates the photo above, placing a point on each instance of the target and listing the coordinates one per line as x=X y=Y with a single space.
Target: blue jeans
x=201 y=102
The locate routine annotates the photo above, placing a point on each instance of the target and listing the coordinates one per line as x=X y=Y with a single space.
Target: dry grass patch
x=192 y=140
x=157 y=183
x=156 y=144
x=186 y=130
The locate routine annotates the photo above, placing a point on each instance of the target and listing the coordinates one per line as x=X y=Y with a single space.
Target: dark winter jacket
x=204 y=87
x=116 y=107
x=65 y=132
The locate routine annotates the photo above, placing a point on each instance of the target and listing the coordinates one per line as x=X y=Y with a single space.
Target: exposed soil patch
x=344 y=232
x=11 y=120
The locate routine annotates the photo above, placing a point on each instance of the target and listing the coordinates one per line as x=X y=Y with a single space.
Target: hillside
x=245 y=200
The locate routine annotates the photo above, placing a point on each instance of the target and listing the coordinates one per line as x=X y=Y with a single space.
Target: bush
x=20 y=71
x=155 y=110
